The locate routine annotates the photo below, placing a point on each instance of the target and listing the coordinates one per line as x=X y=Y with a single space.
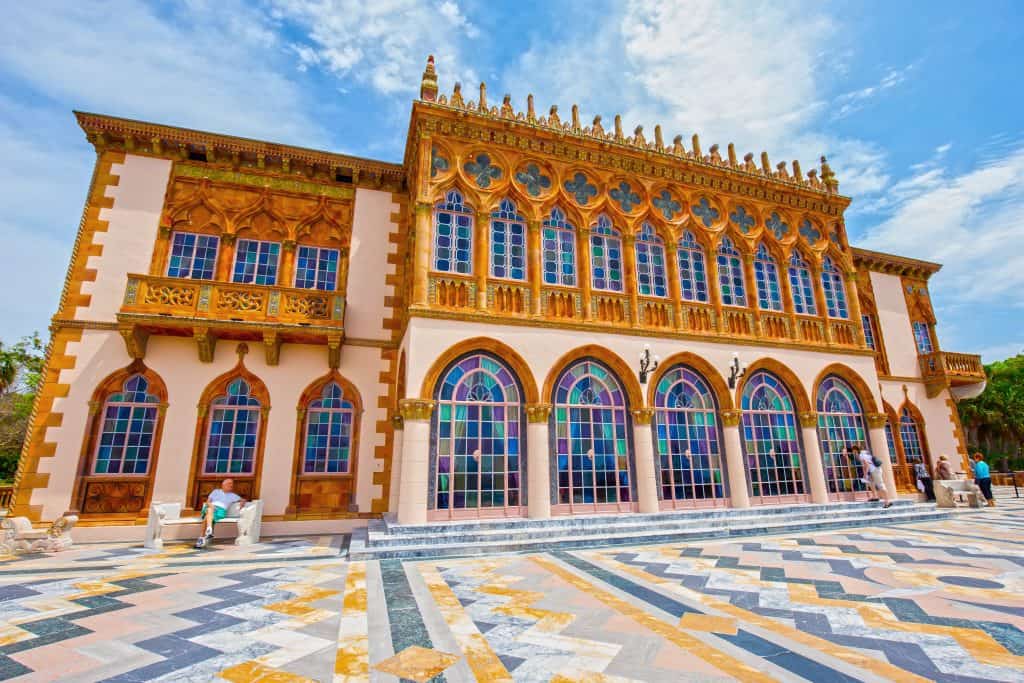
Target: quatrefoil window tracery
x=438 y=164
x=483 y=171
x=533 y=180
x=741 y=219
x=707 y=213
x=810 y=233
x=778 y=226
x=668 y=206
x=625 y=197
x=581 y=190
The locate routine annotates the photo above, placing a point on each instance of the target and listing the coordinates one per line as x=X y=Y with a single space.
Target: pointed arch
x=558 y=246
x=732 y=284
x=766 y=278
x=856 y=382
x=651 y=267
x=913 y=438
x=503 y=351
x=692 y=261
x=248 y=219
x=123 y=433
x=801 y=283
x=606 y=255
x=833 y=283
x=711 y=374
x=842 y=426
x=771 y=436
x=630 y=383
x=793 y=384
x=454 y=228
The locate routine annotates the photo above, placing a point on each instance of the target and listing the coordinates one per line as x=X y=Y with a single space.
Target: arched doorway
x=840 y=428
x=771 y=441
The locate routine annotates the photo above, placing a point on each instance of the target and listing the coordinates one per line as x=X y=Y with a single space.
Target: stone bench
x=19 y=536
x=948 y=493
x=247 y=517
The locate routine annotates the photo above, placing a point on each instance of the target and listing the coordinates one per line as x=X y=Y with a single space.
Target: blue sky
x=918 y=107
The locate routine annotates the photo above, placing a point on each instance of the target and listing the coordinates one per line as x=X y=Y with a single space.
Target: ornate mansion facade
x=527 y=317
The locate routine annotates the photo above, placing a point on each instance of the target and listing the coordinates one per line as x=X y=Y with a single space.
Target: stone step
x=577 y=521
x=360 y=550
x=378 y=536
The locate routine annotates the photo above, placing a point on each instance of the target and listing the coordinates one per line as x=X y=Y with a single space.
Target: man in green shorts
x=216 y=508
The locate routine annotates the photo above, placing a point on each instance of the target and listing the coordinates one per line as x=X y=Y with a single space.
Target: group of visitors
x=871 y=468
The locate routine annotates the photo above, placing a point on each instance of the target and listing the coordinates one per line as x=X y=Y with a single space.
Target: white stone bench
x=948 y=493
x=19 y=536
x=247 y=517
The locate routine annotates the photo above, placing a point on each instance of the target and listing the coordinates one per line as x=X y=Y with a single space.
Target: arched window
x=730 y=274
x=559 y=246
x=835 y=290
x=591 y=438
x=770 y=440
x=801 y=285
x=910 y=435
x=508 y=242
x=688 y=443
x=890 y=440
x=766 y=274
x=650 y=263
x=840 y=428
x=232 y=431
x=693 y=280
x=328 y=444
x=129 y=423
x=478 y=459
x=605 y=256
x=453 y=235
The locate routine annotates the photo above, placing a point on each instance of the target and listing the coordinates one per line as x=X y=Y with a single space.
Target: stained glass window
x=559 y=245
x=835 y=290
x=650 y=263
x=193 y=256
x=256 y=262
x=730 y=274
x=232 y=431
x=605 y=256
x=479 y=448
x=770 y=441
x=766 y=273
x=328 y=433
x=923 y=337
x=508 y=243
x=316 y=268
x=453 y=235
x=126 y=436
x=840 y=428
x=693 y=280
x=869 y=331
x=910 y=435
x=688 y=443
x=590 y=427
x=801 y=285
x=891 y=442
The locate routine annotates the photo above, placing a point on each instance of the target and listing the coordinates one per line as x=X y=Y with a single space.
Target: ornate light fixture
x=648 y=364
x=735 y=371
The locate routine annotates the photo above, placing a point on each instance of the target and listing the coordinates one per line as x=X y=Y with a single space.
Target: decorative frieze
x=538 y=412
x=730 y=418
x=643 y=416
x=415 y=409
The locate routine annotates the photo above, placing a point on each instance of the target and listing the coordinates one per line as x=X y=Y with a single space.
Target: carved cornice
x=538 y=412
x=415 y=409
x=894 y=265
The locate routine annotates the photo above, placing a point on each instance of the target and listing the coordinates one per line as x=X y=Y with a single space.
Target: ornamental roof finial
x=696 y=147
x=598 y=130
x=796 y=171
x=677 y=146
x=531 y=115
x=732 y=155
x=659 y=142
x=638 y=137
x=713 y=155
x=828 y=178
x=483 y=97
x=553 y=119
x=766 y=166
x=506 y=107
x=618 y=129
x=457 y=96
x=428 y=86
x=576 y=127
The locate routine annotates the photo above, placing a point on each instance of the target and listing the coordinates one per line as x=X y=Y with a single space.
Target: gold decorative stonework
x=876 y=420
x=643 y=416
x=538 y=412
x=415 y=409
x=808 y=420
x=397 y=422
x=730 y=418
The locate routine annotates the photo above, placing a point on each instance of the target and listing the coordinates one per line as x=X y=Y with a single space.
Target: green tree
x=21 y=371
x=994 y=421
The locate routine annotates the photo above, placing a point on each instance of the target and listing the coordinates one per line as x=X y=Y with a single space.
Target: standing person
x=944 y=469
x=924 y=481
x=983 y=478
x=872 y=472
x=216 y=508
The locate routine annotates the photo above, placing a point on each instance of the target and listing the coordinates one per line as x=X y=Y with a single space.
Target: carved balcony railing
x=6 y=496
x=946 y=369
x=811 y=330
x=656 y=312
x=844 y=333
x=452 y=291
x=508 y=298
x=738 y=322
x=611 y=308
x=698 y=318
x=775 y=326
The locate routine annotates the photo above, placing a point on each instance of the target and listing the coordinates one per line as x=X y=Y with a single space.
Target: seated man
x=216 y=508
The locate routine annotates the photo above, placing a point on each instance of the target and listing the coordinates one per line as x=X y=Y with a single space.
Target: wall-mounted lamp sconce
x=648 y=364
x=735 y=371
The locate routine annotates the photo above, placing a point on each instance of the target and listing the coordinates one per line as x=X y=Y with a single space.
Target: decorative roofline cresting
x=745 y=170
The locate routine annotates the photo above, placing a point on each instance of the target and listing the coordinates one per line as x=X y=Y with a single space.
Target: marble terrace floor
x=936 y=601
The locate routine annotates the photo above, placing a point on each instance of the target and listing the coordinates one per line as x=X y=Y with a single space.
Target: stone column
x=226 y=258
x=812 y=458
x=750 y=290
x=413 y=487
x=675 y=290
x=735 y=468
x=398 y=435
x=286 y=274
x=535 y=272
x=421 y=253
x=583 y=269
x=538 y=461
x=852 y=283
x=714 y=285
x=629 y=279
x=643 y=443
x=822 y=304
x=482 y=257
x=880 y=449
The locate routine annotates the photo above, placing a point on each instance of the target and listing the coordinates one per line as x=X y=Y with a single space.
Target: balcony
x=208 y=311
x=963 y=373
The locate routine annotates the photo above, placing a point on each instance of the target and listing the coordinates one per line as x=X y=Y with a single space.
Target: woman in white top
x=872 y=473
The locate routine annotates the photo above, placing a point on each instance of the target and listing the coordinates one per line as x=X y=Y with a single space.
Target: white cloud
x=856 y=100
x=383 y=44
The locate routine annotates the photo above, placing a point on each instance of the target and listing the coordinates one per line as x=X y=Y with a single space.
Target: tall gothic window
x=453 y=235
x=688 y=442
x=650 y=263
x=193 y=256
x=766 y=273
x=801 y=285
x=840 y=428
x=835 y=290
x=508 y=243
x=591 y=441
x=126 y=436
x=559 y=245
x=478 y=460
x=869 y=331
x=232 y=431
x=328 y=444
x=910 y=435
x=605 y=256
x=891 y=442
x=256 y=262
x=316 y=268
x=770 y=439
x=923 y=337
x=693 y=279
x=730 y=274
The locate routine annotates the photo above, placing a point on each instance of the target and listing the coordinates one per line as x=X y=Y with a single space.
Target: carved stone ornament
x=876 y=420
x=731 y=418
x=643 y=416
x=415 y=409
x=538 y=412
x=397 y=422
x=808 y=420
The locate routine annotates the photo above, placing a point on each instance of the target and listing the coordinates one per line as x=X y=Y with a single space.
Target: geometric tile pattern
x=933 y=601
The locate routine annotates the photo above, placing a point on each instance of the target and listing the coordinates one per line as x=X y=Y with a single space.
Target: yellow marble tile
x=254 y=672
x=417 y=663
x=709 y=623
x=352 y=662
